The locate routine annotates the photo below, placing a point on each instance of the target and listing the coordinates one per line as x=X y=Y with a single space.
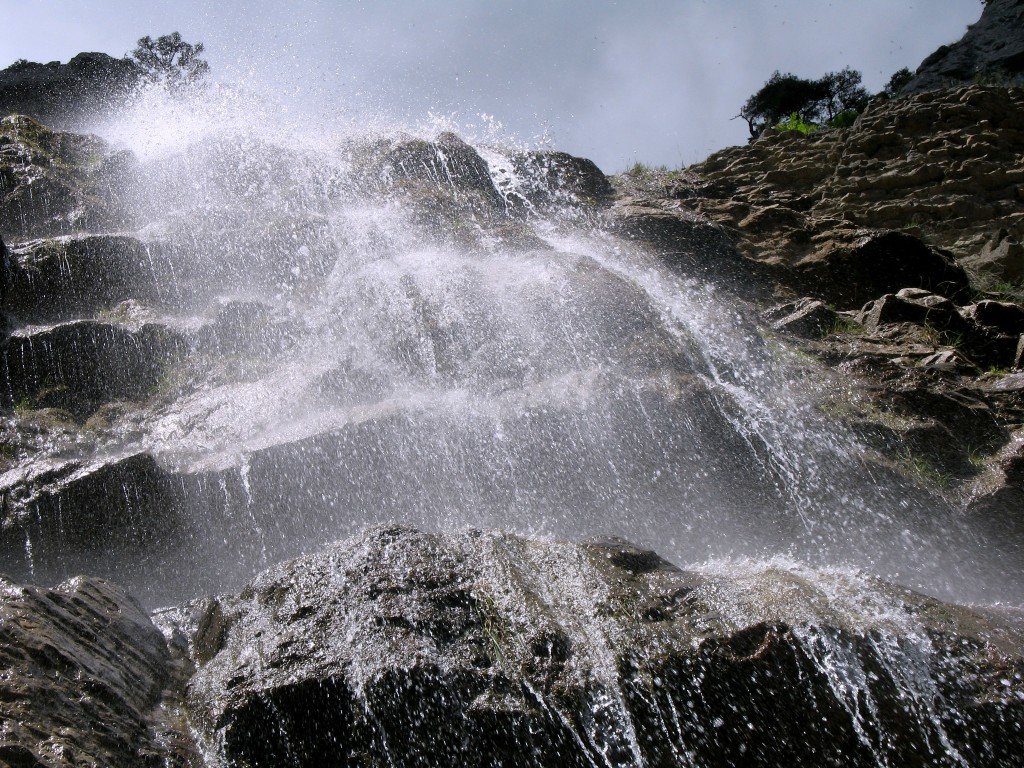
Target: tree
x=896 y=83
x=780 y=97
x=842 y=92
x=170 y=60
x=836 y=98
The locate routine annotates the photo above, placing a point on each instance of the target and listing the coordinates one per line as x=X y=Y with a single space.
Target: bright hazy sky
x=650 y=80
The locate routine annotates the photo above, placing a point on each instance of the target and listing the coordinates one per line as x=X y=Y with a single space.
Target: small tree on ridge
x=170 y=60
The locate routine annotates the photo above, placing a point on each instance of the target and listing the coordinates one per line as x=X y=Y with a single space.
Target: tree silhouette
x=170 y=60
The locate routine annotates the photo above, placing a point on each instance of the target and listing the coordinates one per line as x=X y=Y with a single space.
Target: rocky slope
x=890 y=251
x=406 y=648
x=991 y=51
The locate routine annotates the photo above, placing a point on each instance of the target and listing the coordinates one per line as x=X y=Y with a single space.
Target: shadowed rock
x=87 y=680
x=64 y=95
x=992 y=49
x=402 y=647
x=67 y=277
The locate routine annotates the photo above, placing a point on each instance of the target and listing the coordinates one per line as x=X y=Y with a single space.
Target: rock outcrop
x=54 y=183
x=65 y=95
x=404 y=648
x=992 y=50
x=401 y=647
x=87 y=680
x=891 y=248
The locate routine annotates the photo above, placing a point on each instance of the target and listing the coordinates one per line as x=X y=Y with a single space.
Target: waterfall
x=398 y=326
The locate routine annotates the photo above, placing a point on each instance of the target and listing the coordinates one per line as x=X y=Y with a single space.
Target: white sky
x=650 y=80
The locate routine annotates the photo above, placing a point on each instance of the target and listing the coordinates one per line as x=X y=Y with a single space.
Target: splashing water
x=393 y=325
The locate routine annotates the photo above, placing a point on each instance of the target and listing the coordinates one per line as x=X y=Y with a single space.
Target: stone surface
x=404 y=647
x=79 y=365
x=1001 y=258
x=943 y=166
x=65 y=95
x=68 y=277
x=992 y=49
x=804 y=317
x=54 y=183
x=87 y=680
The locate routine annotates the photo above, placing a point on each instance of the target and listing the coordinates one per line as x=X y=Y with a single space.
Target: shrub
x=812 y=101
x=897 y=82
x=796 y=123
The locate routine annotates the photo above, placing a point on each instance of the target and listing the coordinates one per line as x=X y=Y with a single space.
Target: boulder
x=912 y=306
x=805 y=317
x=992 y=48
x=1001 y=258
x=87 y=680
x=410 y=648
x=66 y=95
x=849 y=273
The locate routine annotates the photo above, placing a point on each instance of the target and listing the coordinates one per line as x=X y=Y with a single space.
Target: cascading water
x=344 y=331
x=394 y=328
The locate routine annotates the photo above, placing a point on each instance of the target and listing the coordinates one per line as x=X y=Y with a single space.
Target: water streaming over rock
x=310 y=335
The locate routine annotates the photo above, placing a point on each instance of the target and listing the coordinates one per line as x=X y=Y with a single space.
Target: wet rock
x=89 y=361
x=244 y=327
x=54 y=183
x=949 y=360
x=992 y=48
x=996 y=498
x=847 y=274
x=110 y=515
x=407 y=647
x=65 y=95
x=552 y=179
x=446 y=163
x=87 y=680
x=806 y=317
x=66 y=277
x=688 y=243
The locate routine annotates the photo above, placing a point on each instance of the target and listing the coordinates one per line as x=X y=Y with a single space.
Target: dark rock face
x=79 y=365
x=993 y=48
x=880 y=263
x=559 y=179
x=405 y=648
x=62 y=95
x=67 y=277
x=115 y=515
x=87 y=680
x=54 y=183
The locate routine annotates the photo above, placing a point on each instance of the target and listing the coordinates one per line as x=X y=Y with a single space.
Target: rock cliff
x=891 y=251
x=992 y=50
x=406 y=648
x=149 y=309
